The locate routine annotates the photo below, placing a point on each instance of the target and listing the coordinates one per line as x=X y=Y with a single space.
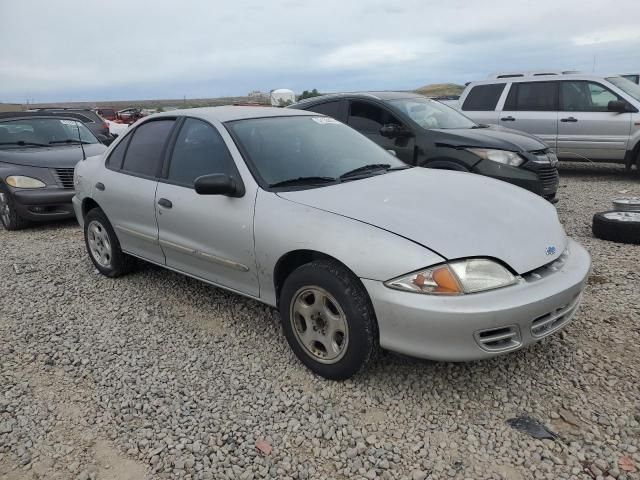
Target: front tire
x=328 y=319
x=9 y=216
x=103 y=246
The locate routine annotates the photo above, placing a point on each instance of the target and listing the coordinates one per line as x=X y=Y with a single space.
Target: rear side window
x=144 y=155
x=331 y=109
x=116 y=157
x=533 y=97
x=199 y=150
x=483 y=98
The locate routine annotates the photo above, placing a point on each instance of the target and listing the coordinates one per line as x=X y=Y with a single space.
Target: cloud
x=369 y=54
x=606 y=36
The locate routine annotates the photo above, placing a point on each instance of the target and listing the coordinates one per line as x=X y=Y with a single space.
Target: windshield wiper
x=22 y=143
x=69 y=140
x=304 y=181
x=365 y=169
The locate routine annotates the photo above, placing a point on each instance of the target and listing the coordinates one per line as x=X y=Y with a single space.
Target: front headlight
x=456 y=278
x=501 y=156
x=18 y=181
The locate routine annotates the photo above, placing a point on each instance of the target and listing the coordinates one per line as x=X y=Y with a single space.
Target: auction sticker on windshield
x=324 y=120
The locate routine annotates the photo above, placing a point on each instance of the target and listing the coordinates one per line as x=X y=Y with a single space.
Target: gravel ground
x=156 y=375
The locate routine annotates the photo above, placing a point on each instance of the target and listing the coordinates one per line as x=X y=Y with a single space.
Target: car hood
x=50 y=157
x=490 y=137
x=454 y=214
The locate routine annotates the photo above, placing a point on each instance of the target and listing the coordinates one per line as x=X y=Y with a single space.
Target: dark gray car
x=37 y=159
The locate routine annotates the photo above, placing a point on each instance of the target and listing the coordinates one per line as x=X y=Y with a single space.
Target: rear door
x=126 y=189
x=207 y=236
x=587 y=130
x=532 y=107
x=482 y=101
x=368 y=117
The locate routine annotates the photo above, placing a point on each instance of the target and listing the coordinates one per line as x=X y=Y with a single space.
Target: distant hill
x=440 y=89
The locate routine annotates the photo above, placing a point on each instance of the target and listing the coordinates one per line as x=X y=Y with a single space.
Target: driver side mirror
x=393 y=130
x=219 y=184
x=617 y=106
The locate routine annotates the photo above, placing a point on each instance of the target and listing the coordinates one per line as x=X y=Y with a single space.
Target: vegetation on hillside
x=440 y=89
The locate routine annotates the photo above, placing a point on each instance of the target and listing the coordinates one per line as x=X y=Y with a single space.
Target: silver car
x=356 y=249
x=583 y=117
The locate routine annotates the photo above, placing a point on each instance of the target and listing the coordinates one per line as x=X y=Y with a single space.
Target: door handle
x=163 y=202
x=570 y=119
x=100 y=186
x=508 y=119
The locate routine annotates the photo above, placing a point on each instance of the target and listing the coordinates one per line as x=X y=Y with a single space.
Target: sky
x=85 y=50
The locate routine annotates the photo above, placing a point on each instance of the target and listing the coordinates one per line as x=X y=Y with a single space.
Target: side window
x=483 y=98
x=144 y=156
x=585 y=97
x=533 y=97
x=367 y=117
x=199 y=150
x=114 y=162
x=331 y=109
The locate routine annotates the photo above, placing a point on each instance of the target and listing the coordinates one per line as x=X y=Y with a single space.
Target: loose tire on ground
x=9 y=216
x=325 y=292
x=103 y=246
x=622 y=227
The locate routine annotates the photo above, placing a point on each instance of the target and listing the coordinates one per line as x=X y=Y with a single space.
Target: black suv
x=94 y=122
x=427 y=133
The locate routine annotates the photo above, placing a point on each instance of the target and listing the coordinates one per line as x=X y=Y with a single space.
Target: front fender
x=282 y=226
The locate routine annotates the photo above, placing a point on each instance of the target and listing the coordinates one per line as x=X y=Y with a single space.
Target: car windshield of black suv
x=308 y=151
x=431 y=114
x=43 y=132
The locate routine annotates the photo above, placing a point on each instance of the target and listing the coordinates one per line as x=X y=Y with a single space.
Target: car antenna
x=84 y=155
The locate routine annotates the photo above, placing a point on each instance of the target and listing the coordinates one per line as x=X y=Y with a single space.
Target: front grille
x=549 y=176
x=552 y=321
x=499 y=339
x=64 y=177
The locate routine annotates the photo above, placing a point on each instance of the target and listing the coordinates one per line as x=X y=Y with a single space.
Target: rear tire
x=328 y=319
x=9 y=216
x=103 y=246
x=610 y=226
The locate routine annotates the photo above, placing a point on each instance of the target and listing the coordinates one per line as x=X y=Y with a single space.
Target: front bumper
x=43 y=204
x=481 y=325
x=540 y=179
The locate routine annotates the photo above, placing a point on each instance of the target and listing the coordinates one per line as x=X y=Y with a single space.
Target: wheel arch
x=447 y=164
x=88 y=204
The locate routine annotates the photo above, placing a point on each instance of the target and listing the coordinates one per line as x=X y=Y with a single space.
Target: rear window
x=533 y=96
x=483 y=98
x=144 y=155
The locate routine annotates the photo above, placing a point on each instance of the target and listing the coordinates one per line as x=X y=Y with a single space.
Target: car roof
x=372 y=95
x=21 y=115
x=230 y=113
x=544 y=78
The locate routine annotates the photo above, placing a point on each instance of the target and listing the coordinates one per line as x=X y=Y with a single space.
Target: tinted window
x=585 y=97
x=144 y=155
x=534 y=96
x=332 y=109
x=199 y=150
x=483 y=98
x=117 y=155
x=368 y=117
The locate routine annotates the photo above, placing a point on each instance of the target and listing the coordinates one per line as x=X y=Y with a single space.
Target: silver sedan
x=357 y=250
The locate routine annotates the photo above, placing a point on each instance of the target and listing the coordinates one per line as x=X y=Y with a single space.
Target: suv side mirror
x=617 y=106
x=219 y=184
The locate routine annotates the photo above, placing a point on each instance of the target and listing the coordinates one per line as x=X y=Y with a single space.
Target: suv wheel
x=103 y=245
x=8 y=214
x=328 y=319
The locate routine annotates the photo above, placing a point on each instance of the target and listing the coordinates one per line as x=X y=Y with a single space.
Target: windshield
x=431 y=114
x=287 y=148
x=43 y=132
x=627 y=86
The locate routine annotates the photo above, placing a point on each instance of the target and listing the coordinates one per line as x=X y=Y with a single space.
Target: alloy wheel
x=99 y=243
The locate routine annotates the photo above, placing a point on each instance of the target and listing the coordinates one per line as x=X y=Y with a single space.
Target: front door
x=207 y=236
x=587 y=130
x=368 y=118
x=126 y=189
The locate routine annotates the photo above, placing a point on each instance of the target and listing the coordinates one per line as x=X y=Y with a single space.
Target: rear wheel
x=328 y=319
x=9 y=216
x=103 y=245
